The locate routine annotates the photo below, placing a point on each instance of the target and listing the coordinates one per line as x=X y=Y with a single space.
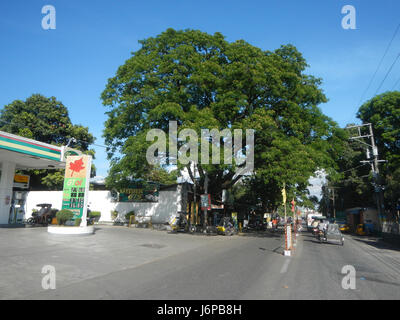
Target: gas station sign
x=21 y=181
x=76 y=185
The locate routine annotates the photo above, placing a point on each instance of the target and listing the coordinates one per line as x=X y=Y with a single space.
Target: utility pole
x=360 y=136
x=331 y=188
x=331 y=195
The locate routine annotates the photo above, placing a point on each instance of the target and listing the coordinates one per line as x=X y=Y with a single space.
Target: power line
x=378 y=67
x=354 y=168
x=380 y=63
x=396 y=84
x=387 y=73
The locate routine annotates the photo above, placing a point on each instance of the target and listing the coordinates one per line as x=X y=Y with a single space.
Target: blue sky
x=93 y=38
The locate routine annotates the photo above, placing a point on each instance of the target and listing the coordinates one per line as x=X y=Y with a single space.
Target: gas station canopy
x=31 y=154
x=17 y=152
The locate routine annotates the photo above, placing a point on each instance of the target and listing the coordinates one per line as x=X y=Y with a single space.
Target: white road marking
x=285 y=266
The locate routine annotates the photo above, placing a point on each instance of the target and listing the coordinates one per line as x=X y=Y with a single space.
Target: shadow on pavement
x=378 y=243
x=263 y=234
x=11 y=226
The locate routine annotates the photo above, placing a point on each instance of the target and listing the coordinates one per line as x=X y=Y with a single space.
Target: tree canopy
x=203 y=81
x=46 y=120
x=354 y=180
x=383 y=112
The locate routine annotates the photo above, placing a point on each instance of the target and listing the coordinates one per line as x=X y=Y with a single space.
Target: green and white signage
x=76 y=186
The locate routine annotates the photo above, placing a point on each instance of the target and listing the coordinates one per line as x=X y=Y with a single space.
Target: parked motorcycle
x=179 y=222
x=43 y=216
x=226 y=227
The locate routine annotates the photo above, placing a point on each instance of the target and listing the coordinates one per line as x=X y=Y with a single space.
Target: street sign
x=205 y=200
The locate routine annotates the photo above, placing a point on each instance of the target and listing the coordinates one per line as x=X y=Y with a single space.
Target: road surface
x=182 y=266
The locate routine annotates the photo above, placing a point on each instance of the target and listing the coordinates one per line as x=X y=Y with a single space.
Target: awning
x=354 y=210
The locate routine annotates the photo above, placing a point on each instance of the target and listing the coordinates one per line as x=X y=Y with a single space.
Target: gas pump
x=19 y=195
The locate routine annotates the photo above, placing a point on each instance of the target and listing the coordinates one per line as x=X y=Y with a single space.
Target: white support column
x=6 y=185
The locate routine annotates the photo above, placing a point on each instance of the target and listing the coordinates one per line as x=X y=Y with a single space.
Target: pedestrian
x=275 y=223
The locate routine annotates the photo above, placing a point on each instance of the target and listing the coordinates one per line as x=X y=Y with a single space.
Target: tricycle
x=43 y=216
x=331 y=234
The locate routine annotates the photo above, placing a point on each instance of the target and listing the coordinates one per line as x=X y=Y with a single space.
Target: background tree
x=46 y=120
x=203 y=81
x=383 y=112
x=354 y=180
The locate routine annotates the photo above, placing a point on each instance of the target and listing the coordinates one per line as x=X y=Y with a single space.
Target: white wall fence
x=391 y=227
x=169 y=203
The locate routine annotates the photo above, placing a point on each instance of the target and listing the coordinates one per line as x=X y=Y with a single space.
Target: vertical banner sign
x=283 y=195
x=288 y=237
x=76 y=186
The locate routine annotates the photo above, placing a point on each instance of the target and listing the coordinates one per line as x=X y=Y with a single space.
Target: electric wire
x=380 y=62
x=387 y=73
x=396 y=84
x=377 y=69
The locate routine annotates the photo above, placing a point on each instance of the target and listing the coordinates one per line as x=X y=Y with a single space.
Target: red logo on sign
x=76 y=166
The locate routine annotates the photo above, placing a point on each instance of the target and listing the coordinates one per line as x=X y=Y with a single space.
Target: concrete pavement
x=122 y=263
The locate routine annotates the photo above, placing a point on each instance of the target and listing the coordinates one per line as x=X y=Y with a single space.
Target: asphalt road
x=181 y=266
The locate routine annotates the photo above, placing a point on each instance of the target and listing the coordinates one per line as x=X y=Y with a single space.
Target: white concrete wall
x=169 y=203
x=391 y=227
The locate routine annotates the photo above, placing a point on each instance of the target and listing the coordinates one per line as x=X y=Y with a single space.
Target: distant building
x=367 y=216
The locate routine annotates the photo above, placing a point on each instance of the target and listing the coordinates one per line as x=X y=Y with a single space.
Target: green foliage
x=63 y=216
x=203 y=81
x=114 y=214
x=78 y=222
x=94 y=214
x=354 y=181
x=46 y=120
x=129 y=214
x=383 y=112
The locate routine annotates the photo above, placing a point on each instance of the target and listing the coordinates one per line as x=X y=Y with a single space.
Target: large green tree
x=203 y=81
x=46 y=120
x=383 y=112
